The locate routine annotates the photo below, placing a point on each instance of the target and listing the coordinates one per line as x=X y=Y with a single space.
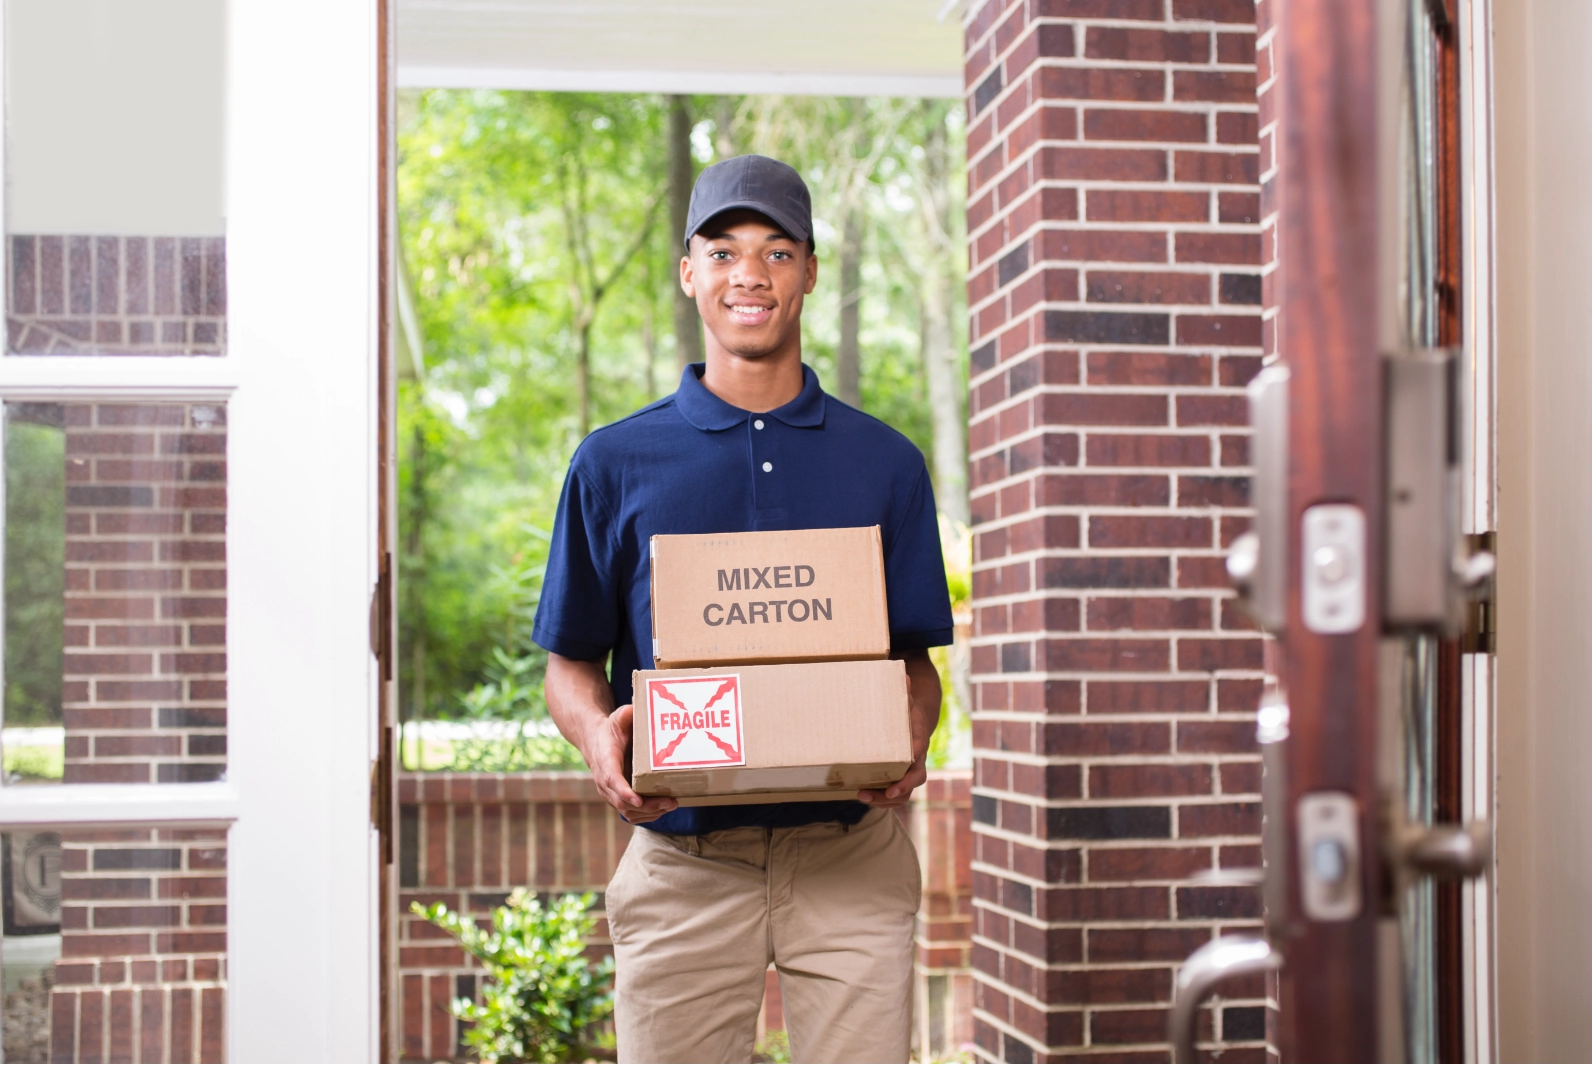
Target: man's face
x=749 y=278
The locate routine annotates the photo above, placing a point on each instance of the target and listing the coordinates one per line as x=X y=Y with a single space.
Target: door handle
x=1212 y=964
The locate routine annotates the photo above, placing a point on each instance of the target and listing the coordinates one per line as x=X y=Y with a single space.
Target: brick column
x=1115 y=294
x=144 y=693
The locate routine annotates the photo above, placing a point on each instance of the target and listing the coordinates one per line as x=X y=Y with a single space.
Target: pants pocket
x=617 y=899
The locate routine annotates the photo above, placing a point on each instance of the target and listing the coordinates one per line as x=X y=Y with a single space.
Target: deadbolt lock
x=1328 y=830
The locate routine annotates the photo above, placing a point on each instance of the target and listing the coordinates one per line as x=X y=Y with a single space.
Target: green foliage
x=35 y=549
x=956 y=1057
x=511 y=696
x=544 y=1002
x=952 y=742
x=486 y=182
x=772 y=1049
x=35 y=763
x=540 y=261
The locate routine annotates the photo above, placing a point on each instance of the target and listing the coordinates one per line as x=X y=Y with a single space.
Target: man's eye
x=781 y=254
x=719 y=254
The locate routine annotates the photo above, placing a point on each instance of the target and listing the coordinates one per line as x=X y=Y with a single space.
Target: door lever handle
x=1447 y=851
x=1212 y=964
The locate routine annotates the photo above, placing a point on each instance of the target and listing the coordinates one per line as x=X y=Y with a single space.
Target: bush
x=545 y=1002
x=511 y=696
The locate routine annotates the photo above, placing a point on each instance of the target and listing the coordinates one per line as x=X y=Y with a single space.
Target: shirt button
x=768 y=467
x=758 y=425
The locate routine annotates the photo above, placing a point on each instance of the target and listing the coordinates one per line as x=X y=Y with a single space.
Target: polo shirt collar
x=709 y=412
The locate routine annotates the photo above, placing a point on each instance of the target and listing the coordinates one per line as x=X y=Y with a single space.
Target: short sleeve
x=578 y=615
x=914 y=573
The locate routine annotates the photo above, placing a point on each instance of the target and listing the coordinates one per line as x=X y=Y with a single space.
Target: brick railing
x=468 y=839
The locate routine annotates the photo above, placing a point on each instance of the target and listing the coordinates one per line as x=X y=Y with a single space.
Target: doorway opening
x=537 y=299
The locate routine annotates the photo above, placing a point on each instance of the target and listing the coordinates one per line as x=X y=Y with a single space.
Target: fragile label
x=695 y=722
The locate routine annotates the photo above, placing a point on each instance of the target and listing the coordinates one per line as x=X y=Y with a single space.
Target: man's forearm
x=923 y=689
x=578 y=697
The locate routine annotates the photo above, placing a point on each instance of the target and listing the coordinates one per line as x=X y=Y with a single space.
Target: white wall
x=114 y=116
x=1543 y=119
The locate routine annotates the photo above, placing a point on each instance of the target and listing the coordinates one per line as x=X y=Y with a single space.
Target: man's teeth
x=749 y=310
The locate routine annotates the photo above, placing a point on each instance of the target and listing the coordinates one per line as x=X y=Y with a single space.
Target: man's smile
x=748 y=314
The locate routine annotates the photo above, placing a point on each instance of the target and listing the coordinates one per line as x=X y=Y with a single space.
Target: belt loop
x=693 y=845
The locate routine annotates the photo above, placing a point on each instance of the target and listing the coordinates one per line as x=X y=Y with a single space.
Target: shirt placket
x=765 y=438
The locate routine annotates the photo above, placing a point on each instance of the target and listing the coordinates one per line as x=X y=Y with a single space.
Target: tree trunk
x=583 y=378
x=848 y=356
x=938 y=303
x=413 y=579
x=649 y=340
x=945 y=410
x=687 y=326
x=724 y=129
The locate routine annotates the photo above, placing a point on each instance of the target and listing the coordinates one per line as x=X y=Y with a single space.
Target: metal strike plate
x=1333 y=565
x=1328 y=829
x=1421 y=590
x=1258 y=562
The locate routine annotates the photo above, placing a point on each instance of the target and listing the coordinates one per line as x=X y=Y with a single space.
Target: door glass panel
x=114 y=183
x=115 y=592
x=114 y=946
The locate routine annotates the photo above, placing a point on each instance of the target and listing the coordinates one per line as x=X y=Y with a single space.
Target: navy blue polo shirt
x=693 y=463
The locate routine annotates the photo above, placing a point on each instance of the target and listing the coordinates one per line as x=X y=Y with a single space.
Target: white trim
x=301 y=531
x=838 y=84
x=1478 y=701
x=99 y=806
x=176 y=378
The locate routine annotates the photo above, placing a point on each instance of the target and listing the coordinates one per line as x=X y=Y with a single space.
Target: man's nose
x=750 y=272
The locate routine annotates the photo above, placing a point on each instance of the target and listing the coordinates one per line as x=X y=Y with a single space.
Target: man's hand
x=923 y=705
x=578 y=698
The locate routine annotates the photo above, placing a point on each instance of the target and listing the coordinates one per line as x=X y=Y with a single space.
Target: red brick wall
x=1266 y=76
x=1114 y=289
x=942 y=828
x=116 y=294
x=142 y=972
x=145 y=688
x=467 y=840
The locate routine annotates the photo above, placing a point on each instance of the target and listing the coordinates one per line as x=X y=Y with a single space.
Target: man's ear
x=688 y=277
x=812 y=273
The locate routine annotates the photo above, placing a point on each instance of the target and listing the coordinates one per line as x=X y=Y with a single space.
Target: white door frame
x=1480 y=496
x=300 y=383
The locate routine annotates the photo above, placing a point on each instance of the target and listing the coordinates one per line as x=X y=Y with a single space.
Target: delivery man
x=705 y=898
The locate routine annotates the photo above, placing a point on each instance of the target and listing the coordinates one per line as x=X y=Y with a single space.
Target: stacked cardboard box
x=774 y=680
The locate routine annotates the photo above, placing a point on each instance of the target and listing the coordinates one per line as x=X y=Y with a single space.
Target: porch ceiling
x=839 y=47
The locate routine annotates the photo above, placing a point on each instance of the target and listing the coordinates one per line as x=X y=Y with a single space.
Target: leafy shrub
x=512 y=695
x=545 y=1002
x=772 y=1049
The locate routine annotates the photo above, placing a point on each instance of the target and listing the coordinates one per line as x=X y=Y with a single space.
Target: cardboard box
x=736 y=598
x=766 y=734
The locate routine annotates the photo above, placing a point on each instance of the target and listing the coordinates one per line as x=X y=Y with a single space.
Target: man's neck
x=756 y=384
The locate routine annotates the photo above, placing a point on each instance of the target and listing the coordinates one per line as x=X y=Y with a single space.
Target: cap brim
x=788 y=225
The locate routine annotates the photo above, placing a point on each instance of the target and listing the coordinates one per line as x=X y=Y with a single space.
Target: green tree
x=538 y=231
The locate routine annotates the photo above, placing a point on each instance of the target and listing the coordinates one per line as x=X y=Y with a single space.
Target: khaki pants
x=697 y=920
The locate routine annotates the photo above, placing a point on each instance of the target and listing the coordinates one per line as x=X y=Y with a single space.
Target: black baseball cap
x=759 y=183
